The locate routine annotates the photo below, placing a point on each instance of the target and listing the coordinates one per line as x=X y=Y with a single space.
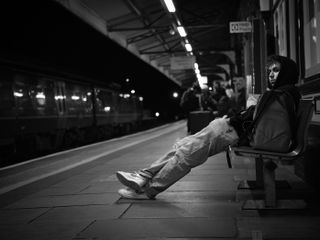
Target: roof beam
x=161 y=28
x=150 y=27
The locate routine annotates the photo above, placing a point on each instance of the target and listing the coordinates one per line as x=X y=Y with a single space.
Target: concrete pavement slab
x=60 y=190
x=79 y=213
x=102 y=187
x=43 y=231
x=20 y=216
x=280 y=227
x=223 y=184
x=216 y=171
x=64 y=200
x=190 y=196
x=182 y=210
x=160 y=228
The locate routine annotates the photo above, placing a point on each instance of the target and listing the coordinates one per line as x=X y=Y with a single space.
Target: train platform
x=73 y=195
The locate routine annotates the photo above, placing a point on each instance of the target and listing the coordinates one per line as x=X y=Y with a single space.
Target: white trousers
x=188 y=153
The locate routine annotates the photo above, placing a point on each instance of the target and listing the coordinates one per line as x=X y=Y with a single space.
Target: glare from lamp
x=170 y=5
x=203 y=81
x=175 y=95
x=181 y=31
x=188 y=47
x=172 y=32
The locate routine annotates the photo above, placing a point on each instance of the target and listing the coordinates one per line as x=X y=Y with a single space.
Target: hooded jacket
x=286 y=80
x=288 y=76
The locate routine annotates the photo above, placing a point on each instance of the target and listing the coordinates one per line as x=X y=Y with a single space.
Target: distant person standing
x=207 y=101
x=233 y=107
x=218 y=91
x=190 y=101
x=227 y=104
x=240 y=93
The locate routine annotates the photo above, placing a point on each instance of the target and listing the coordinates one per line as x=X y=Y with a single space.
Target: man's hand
x=252 y=100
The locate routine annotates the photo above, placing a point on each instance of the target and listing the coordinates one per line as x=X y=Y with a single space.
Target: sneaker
x=129 y=193
x=132 y=180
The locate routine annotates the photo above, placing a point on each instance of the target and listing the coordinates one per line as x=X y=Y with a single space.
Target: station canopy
x=148 y=30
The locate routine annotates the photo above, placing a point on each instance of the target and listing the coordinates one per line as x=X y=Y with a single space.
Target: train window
x=21 y=92
x=43 y=97
x=311 y=22
x=78 y=99
x=104 y=101
x=33 y=96
x=127 y=104
x=6 y=96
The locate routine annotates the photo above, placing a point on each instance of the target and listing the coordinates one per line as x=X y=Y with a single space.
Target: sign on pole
x=240 y=27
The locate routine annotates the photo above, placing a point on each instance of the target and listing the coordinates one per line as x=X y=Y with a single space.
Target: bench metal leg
x=270 y=198
x=258 y=183
x=259 y=173
x=269 y=184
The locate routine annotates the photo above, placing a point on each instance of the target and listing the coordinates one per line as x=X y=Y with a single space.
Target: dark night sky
x=46 y=33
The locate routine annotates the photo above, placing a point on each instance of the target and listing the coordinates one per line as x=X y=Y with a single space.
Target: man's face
x=273 y=72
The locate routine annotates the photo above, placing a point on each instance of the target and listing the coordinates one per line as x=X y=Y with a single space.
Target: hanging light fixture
x=170 y=6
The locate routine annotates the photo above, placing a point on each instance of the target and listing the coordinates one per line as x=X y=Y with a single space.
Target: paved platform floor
x=206 y=204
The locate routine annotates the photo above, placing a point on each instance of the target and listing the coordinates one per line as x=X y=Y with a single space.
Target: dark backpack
x=273 y=124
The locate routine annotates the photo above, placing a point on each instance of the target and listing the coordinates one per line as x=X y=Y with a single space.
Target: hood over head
x=288 y=74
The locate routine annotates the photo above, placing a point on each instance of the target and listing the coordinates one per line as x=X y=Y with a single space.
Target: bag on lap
x=272 y=128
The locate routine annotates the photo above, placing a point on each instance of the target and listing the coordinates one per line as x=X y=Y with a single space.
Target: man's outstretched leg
x=136 y=181
x=187 y=153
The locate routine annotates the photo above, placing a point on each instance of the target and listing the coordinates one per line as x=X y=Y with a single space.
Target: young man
x=194 y=150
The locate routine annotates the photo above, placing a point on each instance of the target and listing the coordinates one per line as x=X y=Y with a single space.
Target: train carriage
x=41 y=113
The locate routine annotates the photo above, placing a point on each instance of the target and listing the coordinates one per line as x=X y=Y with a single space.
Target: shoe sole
x=125 y=196
x=128 y=183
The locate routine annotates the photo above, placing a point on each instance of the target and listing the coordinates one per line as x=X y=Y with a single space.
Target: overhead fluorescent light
x=170 y=5
x=203 y=82
x=181 y=31
x=188 y=47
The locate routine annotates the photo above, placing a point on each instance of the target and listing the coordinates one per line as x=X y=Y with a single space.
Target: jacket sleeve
x=240 y=119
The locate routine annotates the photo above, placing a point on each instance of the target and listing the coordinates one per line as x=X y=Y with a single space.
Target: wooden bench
x=266 y=163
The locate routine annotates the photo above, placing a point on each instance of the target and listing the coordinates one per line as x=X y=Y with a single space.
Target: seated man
x=194 y=150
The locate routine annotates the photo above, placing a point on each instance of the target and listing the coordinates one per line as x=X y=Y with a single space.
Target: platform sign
x=240 y=27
